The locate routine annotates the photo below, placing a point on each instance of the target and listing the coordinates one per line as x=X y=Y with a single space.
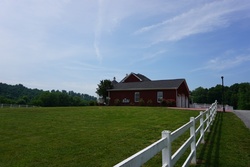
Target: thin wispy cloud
x=224 y=63
x=204 y=18
x=98 y=29
x=41 y=41
x=149 y=57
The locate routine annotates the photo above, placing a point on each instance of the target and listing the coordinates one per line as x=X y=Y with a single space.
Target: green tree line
x=19 y=94
x=237 y=95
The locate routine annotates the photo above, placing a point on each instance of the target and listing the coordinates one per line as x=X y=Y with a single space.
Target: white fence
x=164 y=144
x=206 y=106
x=15 y=106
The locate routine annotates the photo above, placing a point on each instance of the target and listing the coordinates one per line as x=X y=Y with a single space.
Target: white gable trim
x=130 y=75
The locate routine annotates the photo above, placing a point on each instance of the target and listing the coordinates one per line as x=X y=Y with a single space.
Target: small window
x=137 y=96
x=159 y=96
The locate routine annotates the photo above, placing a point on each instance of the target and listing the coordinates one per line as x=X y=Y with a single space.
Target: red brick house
x=137 y=89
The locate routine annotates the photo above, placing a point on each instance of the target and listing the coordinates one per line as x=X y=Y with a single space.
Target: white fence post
x=202 y=128
x=211 y=115
x=214 y=109
x=208 y=121
x=164 y=144
x=166 y=152
x=216 y=105
x=193 y=144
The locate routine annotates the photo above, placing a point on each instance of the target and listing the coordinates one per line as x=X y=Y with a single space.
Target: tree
x=18 y=94
x=244 y=96
x=215 y=93
x=23 y=100
x=103 y=87
x=199 y=95
x=237 y=95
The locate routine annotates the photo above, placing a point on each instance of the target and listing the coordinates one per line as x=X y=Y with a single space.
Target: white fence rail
x=164 y=144
x=15 y=106
x=205 y=106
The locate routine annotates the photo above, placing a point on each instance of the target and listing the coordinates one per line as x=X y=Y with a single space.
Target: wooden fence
x=164 y=144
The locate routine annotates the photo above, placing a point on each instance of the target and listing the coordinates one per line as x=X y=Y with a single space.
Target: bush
x=149 y=102
x=168 y=102
x=117 y=102
x=141 y=102
x=164 y=102
x=131 y=104
x=92 y=103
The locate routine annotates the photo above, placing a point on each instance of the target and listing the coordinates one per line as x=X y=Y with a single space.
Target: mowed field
x=104 y=136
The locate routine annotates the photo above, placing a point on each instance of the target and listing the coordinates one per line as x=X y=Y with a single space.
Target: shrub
x=117 y=102
x=141 y=102
x=131 y=104
x=164 y=102
x=149 y=102
x=168 y=102
x=92 y=103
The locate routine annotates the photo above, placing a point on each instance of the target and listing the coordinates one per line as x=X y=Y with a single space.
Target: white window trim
x=137 y=94
x=159 y=96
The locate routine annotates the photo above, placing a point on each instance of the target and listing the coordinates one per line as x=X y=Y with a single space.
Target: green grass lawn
x=228 y=143
x=104 y=136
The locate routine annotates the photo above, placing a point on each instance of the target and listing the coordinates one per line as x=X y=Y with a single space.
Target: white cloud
x=200 y=19
x=73 y=42
x=224 y=63
x=111 y=13
x=149 y=57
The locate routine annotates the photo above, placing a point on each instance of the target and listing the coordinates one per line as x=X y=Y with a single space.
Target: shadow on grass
x=210 y=151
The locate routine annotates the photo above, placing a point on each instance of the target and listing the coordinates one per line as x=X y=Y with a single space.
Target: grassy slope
x=103 y=136
x=228 y=143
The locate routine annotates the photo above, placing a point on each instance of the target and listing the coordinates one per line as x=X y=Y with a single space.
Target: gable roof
x=143 y=77
x=148 y=85
x=140 y=77
x=114 y=81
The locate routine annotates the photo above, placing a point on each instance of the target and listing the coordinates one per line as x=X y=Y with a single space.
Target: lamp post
x=223 y=93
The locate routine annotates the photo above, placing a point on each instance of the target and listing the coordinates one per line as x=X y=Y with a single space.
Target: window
x=159 y=96
x=137 y=96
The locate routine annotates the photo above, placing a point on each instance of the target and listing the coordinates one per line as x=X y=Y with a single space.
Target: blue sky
x=73 y=44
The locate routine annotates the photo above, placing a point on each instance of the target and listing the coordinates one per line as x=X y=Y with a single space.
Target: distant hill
x=19 y=94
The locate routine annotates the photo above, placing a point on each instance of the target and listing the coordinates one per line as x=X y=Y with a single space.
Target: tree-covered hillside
x=19 y=94
x=237 y=95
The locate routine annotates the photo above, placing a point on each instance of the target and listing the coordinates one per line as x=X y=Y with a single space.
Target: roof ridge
x=154 y=84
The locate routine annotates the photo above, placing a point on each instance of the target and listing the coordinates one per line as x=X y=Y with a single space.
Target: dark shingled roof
x=142 y=77
x=148 y=85
x=139 y=76
x=114 y=82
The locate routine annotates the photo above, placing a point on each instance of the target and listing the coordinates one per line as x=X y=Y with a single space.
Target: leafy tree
x=103 y=86
x=22 y=100
x=63 y=99
x=199 y=95
x=18 y=94
x=244 y=96
x=237 y=95
x=215 y=93
x=6 y=100
x=233 y=95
